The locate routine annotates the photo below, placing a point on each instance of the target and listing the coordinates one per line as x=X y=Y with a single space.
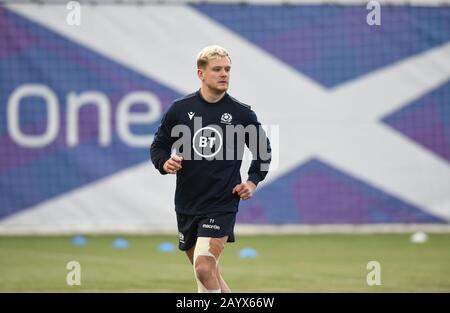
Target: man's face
x=216 y=75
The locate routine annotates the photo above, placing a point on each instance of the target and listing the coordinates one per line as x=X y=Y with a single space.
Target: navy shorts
x=214 y=225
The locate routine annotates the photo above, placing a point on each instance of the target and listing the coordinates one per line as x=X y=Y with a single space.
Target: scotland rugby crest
x=226 y=118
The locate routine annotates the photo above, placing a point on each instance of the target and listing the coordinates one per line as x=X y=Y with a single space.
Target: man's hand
x=245 y=190
x=173 y=164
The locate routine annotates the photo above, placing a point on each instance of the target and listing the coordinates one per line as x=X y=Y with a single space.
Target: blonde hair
x=209 y=53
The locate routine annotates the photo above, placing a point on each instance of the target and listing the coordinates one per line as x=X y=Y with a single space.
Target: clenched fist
x=245 y=190
x=173 y=164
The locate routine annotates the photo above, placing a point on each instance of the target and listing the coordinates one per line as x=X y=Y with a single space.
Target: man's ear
x=200 y=73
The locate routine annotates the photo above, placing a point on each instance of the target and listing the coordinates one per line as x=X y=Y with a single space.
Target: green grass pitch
x=285 y=263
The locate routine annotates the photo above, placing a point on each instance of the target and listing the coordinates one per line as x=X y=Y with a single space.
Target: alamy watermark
x=374 y=16
x=373 y=278
x=213 y=142
x=73 y=278
x=73 y=17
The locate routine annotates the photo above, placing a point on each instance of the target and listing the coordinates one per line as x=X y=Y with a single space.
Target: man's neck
x=211 y=97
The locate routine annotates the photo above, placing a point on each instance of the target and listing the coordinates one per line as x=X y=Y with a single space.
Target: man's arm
x=261 y=152
x=262 y=156
x=162 y=144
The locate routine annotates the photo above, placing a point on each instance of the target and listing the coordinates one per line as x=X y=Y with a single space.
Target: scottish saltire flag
x=362 y=111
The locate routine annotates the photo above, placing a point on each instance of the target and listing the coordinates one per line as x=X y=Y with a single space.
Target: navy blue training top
x=200 y=132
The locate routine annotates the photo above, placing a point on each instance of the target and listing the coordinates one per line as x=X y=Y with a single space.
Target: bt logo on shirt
x=222 y=142
x=212 y=142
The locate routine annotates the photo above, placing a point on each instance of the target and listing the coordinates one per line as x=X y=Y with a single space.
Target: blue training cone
x=120 y=243
x=166 y=247
x=248 y=253
x=79 y=240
